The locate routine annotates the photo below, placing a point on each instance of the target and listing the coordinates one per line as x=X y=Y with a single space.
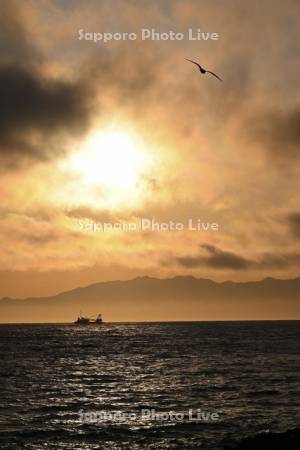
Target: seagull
x=202 y=70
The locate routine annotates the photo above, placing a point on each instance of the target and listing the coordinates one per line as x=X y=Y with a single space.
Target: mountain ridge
x=150 y=298
x=146 y=277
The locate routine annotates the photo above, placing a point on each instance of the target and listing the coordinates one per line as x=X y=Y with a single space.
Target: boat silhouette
x=81 y=320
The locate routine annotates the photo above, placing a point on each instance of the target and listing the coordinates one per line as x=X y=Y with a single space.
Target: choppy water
x=248 y=373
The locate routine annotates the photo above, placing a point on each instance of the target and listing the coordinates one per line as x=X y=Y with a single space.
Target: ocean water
x=54 y=376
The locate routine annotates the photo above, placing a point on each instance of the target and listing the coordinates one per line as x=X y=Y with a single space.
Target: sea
x=183 y=385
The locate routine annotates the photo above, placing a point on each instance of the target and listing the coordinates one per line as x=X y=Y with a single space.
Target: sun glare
x=110 y=161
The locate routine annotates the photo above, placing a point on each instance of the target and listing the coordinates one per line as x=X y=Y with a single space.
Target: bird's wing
x=194 y=62
x=214 y=74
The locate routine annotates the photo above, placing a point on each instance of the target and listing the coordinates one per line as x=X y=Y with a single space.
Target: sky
x=94 y=133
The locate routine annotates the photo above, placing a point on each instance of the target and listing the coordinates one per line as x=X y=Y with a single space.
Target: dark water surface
x=247 y=372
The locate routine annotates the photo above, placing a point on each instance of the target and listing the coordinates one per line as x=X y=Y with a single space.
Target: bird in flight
x=202 y=70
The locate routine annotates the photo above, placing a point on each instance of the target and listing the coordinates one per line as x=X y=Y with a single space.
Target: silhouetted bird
x=202 y=70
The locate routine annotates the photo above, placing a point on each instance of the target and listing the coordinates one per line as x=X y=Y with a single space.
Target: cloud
x=221 y=259
x=15 y=42
x=190 y=124
x=87 y=213
x=38 y=239
x=278 y=132
x=216 y=258
x=294 y=223
x=35 y=111
x=278 y=261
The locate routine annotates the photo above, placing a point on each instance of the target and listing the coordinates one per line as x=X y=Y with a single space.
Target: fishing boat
x=81 y=320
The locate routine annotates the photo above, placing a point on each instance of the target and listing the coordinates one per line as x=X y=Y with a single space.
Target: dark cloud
x=35 y=111
x=278 y=132
x=220 y=259
x=294 y=223
x=278 y=261
x=216 y=258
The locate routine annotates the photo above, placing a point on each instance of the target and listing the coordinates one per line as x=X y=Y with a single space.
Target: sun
x=112 y=162
x=110 y=158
